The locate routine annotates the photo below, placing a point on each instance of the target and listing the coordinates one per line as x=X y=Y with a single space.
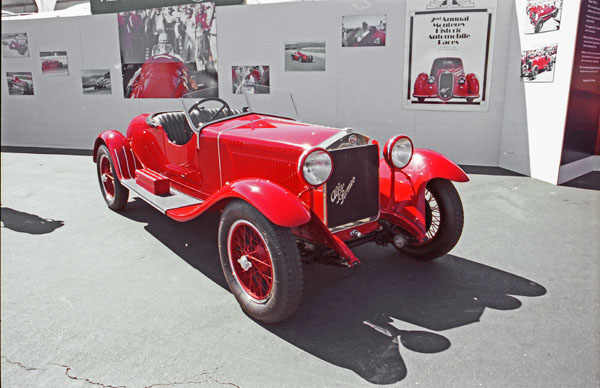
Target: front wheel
x=114 y=193
x=444 y=221
x=261 y=263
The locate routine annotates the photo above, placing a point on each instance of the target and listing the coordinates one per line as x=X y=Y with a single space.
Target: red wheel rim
x=107 y=178
x=250 y=260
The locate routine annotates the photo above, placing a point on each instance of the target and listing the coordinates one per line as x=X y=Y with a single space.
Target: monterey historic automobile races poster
x=448 y=54
x=169 y=52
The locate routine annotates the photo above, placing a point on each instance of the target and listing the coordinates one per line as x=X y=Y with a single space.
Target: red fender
x=421 y=84
x=122 y=155
x=402 y=199
x=473 y=83
x=276 y=203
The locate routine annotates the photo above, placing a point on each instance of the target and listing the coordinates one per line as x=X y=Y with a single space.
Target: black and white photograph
x=169 y=52
x=305 y=56
x=250 y=79
x=96 y=81
x=19 y=83
x=363 y=30
x=448 y=56
x=54 y=63
x=542 y=16
x=538 y=64
x=15 y=45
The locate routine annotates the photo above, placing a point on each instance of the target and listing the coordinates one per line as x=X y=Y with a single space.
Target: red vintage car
x=446 y=81
x=51 y=64
x=288 y=191
x=533 y=64
x=18 y=85
x=299 y=56
x=540 y=14
x=161 y=76
x=19 y=47
x=371 y=36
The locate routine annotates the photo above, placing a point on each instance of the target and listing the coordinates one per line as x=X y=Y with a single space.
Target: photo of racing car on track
x=305 y=56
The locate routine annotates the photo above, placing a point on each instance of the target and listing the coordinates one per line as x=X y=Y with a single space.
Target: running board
x=174 y=200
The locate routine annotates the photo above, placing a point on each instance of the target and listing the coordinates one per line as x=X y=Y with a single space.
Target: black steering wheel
x=199 y=103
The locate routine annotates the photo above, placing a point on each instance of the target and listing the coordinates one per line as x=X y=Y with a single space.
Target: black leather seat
x=175 y=126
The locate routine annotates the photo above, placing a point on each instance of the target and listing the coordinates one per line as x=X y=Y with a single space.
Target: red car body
x=21 y=86
x=21 y=48
x=374 y=37
x=540 y=14
x=161 y=76
x=259 y=161
x=534 y=64
x=301 y=57
x=51 y=64
x=446 y=81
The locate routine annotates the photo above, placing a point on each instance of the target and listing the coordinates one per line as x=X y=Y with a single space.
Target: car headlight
x=431 y=80
x=315 y=166
x=398 y=151
x=462 y=80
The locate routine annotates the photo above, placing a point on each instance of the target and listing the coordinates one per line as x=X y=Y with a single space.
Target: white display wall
x=361 y=87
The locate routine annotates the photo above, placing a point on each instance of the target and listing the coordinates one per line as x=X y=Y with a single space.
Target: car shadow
x=363 y=319
x=27 y=223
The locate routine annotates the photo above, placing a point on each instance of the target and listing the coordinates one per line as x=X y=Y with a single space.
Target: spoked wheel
x=261 y=263
x=444 y=219
x=113 y=192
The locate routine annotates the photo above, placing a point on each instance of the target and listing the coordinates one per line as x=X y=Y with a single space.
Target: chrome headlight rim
x=431 y=79
x=462 y=81
x=389 y=147
x=301 y=163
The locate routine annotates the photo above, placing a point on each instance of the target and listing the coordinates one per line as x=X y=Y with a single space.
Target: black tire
x=118 y=198
x=282 y=296
x=420 y=99
x=449 y=228
x=310 y=58
x=534 y=73
x=539 y=25
x=470 y=99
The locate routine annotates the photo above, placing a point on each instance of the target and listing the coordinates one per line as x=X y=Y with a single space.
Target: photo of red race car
x=300 y=57
x=446 y=81
x=161 y=76
x=534 y=62
x=50 y=64
x=364 y=30
x=14 y=45
x=540 y=12
x=54 y=62
x=287 y=192
x=20 y=83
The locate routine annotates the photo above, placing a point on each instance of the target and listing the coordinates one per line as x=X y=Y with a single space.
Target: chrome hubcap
x=245 y=263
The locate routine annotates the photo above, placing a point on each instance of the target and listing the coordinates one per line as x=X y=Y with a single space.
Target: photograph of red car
x=363 y=30
x=543 y=15
x=446 y=80
x=168 y=52
x=305 y=56
x=537 y=65
x=250 y=79
x=15 y=45
x=20 y=83
x=54 y=63
x=95 y=81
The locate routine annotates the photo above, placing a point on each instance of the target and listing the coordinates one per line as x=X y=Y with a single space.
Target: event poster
x=448 y=54
x=169 y=52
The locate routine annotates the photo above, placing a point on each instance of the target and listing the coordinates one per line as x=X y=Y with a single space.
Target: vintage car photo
x=287 y=191
x=54 y=63
x=363 y=30
x=15 y=45
x=96 y=81
x=168 y=52
x=305 y=56
x=250 y=79
x=20 y=83
x=543 y=15
x=446 y=81
x=537 y=65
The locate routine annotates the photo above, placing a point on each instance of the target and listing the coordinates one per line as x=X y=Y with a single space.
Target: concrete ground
x=91 y=297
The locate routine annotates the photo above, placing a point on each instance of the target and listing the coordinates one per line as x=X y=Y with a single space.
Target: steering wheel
x=205 y=100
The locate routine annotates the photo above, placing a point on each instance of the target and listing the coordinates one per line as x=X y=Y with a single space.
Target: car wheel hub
x=244 y=263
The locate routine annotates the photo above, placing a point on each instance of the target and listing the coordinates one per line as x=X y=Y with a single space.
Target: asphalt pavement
x=92 y=297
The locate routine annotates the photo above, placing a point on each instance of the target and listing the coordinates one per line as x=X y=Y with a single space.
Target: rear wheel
x=114 y=193
x=470 y=99
x=444 y=221
x=261 y=263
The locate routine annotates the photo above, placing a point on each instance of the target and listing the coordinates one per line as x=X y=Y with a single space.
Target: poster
x=305 y=56
x=251 y=79
x=54 y=63
x=15 y=45
x=448 y=54
x=95 y=82
x=538 y=64
x=542 y=16
x=364 y=30
x=19 y=83
x=169 y=52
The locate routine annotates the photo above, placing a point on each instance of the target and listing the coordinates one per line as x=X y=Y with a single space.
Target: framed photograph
x=448 y=55
x=20 y=83
x=169 y=52
x=542 y=16
x=95 y=82
x=15 y=45
x=252 y=79
x=54 y=63
x=363 y=30
x=305 y=56
x=538 y=64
